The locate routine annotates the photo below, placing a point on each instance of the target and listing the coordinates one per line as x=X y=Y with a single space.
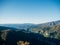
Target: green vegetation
x=48 y=31
x=45 y=34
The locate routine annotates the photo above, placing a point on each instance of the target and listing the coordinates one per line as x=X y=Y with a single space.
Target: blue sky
x=29 y=11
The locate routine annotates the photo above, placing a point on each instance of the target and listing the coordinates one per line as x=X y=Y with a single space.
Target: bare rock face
x=23 y=43
x=4 y=34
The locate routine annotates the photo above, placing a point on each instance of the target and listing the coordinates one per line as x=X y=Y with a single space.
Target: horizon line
x=30 y=22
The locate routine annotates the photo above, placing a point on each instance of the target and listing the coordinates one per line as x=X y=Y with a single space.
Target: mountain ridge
x=28 y=25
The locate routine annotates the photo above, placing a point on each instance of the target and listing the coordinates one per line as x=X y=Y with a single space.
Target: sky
x=29 y=11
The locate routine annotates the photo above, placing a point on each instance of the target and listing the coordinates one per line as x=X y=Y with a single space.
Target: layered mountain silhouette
x=19 y=26
x=35 y=34
x=27 y=25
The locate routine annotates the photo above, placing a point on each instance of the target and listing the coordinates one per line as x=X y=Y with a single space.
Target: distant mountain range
x=28 y=25
x=40 y=34
x=53 y=23
x=19 y=26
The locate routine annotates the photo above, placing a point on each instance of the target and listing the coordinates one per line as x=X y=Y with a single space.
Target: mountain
x=7 y=28
x=53 y=23
x=19 y=26
x=18 y=37
x=50 y=29
x=35 y=34
x=47 y=26
x=27 y=25
x=33 y=27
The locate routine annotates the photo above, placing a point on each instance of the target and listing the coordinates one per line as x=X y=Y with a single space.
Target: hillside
x=27 y=25
x=10 y=37
x=19 y=26
x=50 y=29
x=30 y=34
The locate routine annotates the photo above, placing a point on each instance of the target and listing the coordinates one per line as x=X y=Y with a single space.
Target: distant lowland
x=30 y=34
